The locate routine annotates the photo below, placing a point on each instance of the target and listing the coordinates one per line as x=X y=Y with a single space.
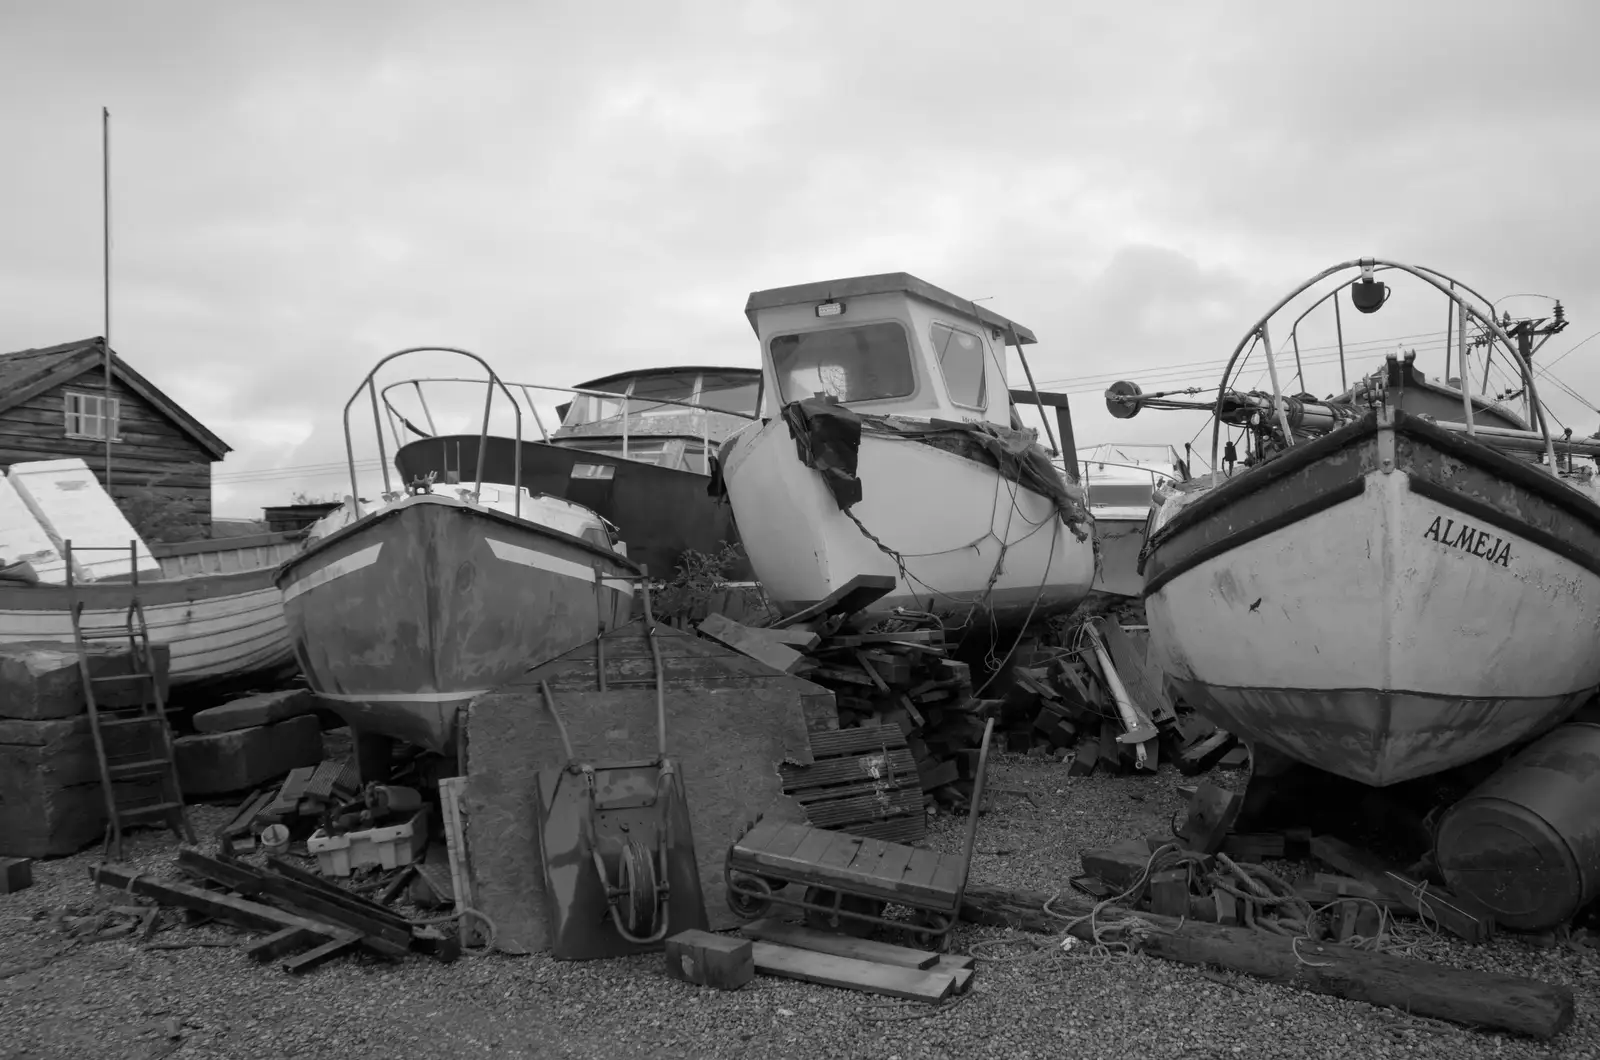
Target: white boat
x=1121 y=481
x=1402 y=580
x=897 y=452
x=211 y=602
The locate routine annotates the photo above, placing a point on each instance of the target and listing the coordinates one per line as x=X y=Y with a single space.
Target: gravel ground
x=113 y=999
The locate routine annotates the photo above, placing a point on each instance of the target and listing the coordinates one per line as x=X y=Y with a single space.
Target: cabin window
x=869 y=362
x=87 y=416
x=588 y=408
x=645 y=397
x=960 y=356
x=644 y=450
x=730 y=393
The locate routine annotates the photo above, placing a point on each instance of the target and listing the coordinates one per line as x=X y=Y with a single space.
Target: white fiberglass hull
x=1380 y=624
x=972 y=543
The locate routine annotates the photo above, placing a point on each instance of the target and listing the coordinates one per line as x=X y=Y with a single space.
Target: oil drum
x=1525 y=844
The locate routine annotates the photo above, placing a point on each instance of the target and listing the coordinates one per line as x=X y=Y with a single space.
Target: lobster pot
x=1525 y=843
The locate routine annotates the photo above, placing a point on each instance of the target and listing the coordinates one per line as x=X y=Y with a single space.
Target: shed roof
x=26 y=374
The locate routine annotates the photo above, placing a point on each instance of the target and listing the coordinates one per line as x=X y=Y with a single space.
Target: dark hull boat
x=634 y=448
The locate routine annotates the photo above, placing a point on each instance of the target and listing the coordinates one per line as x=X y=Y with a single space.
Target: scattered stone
x=264 y=708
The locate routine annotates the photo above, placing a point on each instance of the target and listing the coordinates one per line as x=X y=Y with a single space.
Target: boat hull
x=215 y=607
x=405 y=615
x=661 y=512
x=946 y=516
x=1383 y=603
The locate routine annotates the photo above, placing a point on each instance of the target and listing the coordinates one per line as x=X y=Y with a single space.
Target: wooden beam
x=1475 y=999
x=829 y=970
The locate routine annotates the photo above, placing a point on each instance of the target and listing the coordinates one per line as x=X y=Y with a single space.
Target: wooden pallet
x=864 y=782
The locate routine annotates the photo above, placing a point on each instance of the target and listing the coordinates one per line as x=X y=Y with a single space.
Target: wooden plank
x=920 y=870
x=891 y=867
x=762 y=649
x=856 y=741
x=1130 y=665
x=849 y=973
x=811 y=849
x=334 y=947
x=857 y=593
x=388 y=926
x=282 y=943
x=844 y=770
x=837 y=812
x=1434 y=903
x=908 y=828
x=842 y=851
x=804 y=938
x=788 y=839
x=949 y=875
x=226 y=908
x=809 y=871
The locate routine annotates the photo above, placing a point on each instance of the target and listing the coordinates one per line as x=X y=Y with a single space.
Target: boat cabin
x=1125 y=476
x=889 y=344
x=672 y=417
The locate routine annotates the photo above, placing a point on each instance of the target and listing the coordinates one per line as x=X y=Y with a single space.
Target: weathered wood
x=804 y=938
x=337 y=946
x=828 y=970
x=1432 y=903
x=1475 y=999
x=1205 y=754
x=282 y=943
x=226 y=908
x=725 y=631
x=1211 y=813
x=342 y=911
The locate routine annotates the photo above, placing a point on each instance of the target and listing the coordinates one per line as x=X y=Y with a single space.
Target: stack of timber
x=1064 y=703
x=51 y=801
x=307 y=921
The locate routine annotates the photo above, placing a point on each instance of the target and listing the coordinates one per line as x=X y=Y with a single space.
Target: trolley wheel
x=838 y=924
x=749 y=906
x=636 y=878
x=930 y=932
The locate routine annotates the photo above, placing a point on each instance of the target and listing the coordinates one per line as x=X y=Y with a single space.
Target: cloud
x=573 y=190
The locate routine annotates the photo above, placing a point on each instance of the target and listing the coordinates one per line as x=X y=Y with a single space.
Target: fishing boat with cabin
x=897 y=452
x=1392 y=581
x=414 y=606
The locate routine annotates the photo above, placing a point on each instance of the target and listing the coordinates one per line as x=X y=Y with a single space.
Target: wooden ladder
x=153 y=758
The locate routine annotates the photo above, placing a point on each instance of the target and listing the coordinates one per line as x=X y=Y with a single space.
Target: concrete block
x=223 y=762
x=15 y=874
x=264 y=708
x=39 y=680
x=704 y=959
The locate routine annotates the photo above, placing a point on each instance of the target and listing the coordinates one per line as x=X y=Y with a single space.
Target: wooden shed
x=53 y=404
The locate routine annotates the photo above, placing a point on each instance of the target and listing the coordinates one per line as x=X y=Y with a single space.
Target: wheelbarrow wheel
x=931 y=932
x=636 y=878
x=749 y=906
x=837 y=923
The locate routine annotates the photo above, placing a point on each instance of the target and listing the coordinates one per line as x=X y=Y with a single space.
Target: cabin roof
x=882 y=283
x=690 y=369
x=26 y=374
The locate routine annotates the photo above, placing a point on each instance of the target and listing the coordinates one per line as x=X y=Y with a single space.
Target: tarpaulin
x=828 y=438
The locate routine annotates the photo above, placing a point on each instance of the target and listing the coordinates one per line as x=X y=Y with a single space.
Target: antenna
x=105 y=205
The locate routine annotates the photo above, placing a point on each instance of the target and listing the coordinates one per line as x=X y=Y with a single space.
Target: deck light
x=830 y=309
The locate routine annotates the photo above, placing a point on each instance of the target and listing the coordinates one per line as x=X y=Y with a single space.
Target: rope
x=464 y=913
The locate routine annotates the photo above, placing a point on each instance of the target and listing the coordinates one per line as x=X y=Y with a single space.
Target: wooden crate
x=864 y=781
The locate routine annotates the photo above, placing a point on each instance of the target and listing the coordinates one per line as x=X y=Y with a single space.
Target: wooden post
x=1481 y=999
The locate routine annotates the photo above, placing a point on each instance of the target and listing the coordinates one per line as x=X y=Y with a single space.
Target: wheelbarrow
x=616 y=847
x=851 y=881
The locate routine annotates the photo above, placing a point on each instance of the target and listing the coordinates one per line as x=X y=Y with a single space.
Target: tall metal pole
x=105 y=207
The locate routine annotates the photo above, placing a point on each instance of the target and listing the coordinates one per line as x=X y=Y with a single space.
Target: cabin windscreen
x=730 y=393
x=866 y=362
x=645 y=399
x=961 y=360
x=1120 y=494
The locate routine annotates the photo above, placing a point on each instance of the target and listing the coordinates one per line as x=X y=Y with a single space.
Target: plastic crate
x=388 y=847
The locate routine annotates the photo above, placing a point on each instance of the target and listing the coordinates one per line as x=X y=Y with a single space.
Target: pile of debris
x=1211 y=874
x=306 y=920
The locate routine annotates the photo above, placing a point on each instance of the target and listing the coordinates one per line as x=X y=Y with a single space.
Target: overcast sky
x=573 y=189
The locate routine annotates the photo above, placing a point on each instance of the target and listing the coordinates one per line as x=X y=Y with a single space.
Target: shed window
x=869 y=362
x=87 y=415
x=960 y=357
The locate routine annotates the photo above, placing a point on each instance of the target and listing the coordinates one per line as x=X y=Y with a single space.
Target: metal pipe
x=1521 y=441
x=544 y=436
x=1466 y=379
x=1132 y=720
x=383 y=457
x=1055 y=450
x=105 y=235
x=420 y=398
x=1299 y=374
x=1449 y=329
x=1277 y=393
x=1338 y=327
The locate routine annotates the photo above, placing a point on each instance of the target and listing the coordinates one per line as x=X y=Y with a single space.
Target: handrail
x=1429 y=276
x=580 y=391
x=368 y=383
